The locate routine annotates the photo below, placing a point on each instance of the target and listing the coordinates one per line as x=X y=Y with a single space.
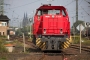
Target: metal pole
x=87 y=31
x=80 y=37
x=76 y=10
x=73 y=28
x=30 y=26
x=87 y=28
x=24 y=41
x=30 y=29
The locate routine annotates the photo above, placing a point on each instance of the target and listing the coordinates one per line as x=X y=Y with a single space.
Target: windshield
x=41 y=12
x=54 y=12
x=51 y=12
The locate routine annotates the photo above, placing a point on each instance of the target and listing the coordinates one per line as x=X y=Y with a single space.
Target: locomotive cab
x=51 y=24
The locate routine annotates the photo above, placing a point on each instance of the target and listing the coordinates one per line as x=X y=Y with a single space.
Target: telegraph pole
x=76 y=10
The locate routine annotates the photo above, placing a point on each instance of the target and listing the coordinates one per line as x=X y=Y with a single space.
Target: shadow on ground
x=34 y=50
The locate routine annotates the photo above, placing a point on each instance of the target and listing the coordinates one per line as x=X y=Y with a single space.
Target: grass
x=76 y=40
x=87 y=42
x=3 y=58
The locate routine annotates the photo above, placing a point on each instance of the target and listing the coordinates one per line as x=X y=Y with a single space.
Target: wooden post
x=24 y=42
x=80 y=37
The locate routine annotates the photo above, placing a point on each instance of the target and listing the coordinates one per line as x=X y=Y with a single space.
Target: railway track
x=75 y=46
x=34 y=56
x=63 y=56
x=45 y=56
x=83 y=48
x=52 y=56
x=20 y=39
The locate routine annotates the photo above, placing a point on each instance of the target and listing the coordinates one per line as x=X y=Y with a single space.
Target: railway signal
x=82 y=27
x=87 y=25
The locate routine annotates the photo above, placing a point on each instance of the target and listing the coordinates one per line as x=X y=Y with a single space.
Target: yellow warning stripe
x=42 y=45
x=37 y=39
x=67 y=43
x=39 y=44
x=64 y=45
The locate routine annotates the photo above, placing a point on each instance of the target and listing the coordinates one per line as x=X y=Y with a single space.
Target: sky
x=15 y=9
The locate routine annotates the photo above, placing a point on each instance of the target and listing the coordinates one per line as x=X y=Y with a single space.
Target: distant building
x=25 y=20
x=11 y=32
x=4 y=25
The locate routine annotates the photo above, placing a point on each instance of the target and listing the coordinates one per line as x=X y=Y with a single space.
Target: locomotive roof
x=51 y=7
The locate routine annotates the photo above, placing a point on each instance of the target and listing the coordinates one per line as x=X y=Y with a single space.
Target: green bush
x=2 y=47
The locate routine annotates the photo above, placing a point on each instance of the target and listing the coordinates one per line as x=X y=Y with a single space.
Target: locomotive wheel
x=34 y=40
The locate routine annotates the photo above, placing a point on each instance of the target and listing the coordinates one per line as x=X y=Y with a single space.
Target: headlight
x=61 y=32
x=44 y=31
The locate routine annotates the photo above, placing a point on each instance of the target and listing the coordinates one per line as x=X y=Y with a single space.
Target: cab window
x=44 y=11
x=63 y=13
x=39 y=12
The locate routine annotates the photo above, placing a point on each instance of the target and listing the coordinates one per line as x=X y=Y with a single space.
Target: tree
x=76 y=24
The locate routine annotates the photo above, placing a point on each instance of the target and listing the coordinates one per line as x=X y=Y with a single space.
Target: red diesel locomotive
x=52 y=26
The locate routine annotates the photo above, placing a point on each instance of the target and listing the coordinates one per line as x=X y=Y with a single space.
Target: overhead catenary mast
x=76 y=10
x=1 y=7
x=2 y=4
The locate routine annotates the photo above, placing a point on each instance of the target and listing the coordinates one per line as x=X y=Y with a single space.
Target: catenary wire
x=25 y=4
